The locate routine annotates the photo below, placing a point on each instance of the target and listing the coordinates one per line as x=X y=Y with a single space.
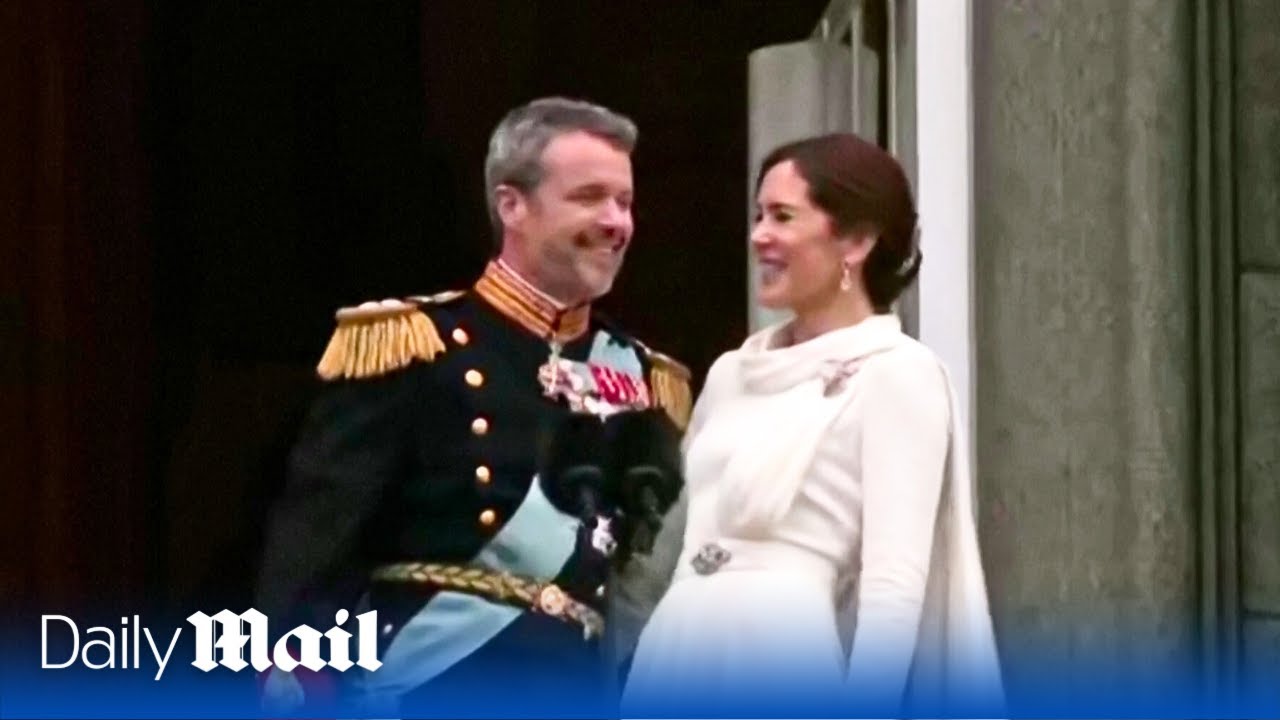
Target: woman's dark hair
x=858 y=184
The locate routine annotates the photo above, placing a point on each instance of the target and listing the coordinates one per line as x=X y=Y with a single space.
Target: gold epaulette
x=376 y=338
x=669 y=381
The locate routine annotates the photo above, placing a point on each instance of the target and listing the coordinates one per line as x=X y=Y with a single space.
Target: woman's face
x=801 y=261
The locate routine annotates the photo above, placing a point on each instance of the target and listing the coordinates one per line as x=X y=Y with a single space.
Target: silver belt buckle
x=710 y=558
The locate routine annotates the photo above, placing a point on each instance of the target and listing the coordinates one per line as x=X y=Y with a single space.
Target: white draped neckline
x=768 y=367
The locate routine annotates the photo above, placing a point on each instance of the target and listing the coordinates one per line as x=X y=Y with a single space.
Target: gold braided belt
x=543 y=597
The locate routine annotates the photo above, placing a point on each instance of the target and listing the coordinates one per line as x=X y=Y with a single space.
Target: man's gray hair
x=515 y=148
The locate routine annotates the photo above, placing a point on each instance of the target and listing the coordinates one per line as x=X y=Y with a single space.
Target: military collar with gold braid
x=516 y=298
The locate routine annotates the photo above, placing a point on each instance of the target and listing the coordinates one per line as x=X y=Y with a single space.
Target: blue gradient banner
x=49 y=672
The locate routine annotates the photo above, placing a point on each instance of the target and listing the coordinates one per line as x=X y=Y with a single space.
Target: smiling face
x=801 y=258
x=569 y=234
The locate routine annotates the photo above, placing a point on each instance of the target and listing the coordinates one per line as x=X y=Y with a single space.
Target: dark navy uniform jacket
x=423 y=446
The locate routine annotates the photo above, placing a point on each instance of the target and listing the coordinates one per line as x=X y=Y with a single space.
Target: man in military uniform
x=446 y=477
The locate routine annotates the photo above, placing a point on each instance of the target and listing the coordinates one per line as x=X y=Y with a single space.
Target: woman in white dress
x=830 y=558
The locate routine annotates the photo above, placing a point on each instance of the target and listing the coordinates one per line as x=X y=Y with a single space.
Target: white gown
x=814 y=568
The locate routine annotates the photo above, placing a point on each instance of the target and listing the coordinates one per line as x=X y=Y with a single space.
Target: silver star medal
x=602 y=537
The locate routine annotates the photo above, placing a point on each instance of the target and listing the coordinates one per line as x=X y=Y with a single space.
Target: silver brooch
x=710 y=558
x=836 y=373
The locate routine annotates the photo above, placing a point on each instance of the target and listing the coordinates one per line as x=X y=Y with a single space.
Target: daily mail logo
x=220 y=640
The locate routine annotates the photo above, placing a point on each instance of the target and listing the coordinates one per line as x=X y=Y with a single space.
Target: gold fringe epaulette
x=669 y=381
x=376 y=338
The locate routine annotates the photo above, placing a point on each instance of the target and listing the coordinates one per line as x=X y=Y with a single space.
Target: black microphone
x=589 y=498
x=574 y=467
x=646 y=460
x=645 y=505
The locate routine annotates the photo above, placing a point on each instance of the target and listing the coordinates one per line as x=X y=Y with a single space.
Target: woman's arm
x=904 y=415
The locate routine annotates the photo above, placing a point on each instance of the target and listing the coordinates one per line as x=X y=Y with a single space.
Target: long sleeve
x=352 y=447
x=904 y=415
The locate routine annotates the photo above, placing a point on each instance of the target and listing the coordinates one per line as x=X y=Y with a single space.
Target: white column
x=794 y=91
x=944 y=136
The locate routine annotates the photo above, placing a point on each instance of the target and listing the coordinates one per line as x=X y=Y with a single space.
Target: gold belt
x=543 y=597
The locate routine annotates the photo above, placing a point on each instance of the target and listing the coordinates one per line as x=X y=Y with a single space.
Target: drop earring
x=846 y=280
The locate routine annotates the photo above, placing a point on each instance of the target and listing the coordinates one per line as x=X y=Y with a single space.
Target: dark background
x=190 y=189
